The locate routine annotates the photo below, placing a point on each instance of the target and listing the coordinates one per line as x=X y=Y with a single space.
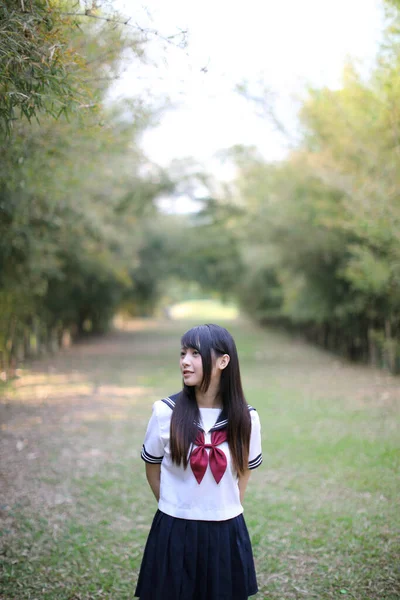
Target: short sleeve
x=153 y=447
x=255 y=452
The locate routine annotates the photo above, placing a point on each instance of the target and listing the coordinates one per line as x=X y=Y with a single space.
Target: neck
x=210 y=398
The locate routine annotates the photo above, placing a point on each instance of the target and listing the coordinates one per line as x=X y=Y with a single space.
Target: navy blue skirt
x=197 y=560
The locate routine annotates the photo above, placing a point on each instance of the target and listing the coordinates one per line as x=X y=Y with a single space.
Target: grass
x=322 y=510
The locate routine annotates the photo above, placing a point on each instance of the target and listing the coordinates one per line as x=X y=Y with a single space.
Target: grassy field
x=322 y=510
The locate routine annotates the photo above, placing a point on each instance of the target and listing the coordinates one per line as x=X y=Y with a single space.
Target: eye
x=195 y=352
x=182 y=353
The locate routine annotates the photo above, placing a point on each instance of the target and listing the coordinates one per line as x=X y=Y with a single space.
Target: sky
x=285 y=44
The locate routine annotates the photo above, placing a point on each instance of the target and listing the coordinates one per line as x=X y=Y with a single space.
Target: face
x=191 y=366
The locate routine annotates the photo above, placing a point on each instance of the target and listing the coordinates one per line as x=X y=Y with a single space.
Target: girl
x=199 y=448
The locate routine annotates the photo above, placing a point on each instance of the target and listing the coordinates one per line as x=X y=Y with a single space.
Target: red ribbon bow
x=200 y=458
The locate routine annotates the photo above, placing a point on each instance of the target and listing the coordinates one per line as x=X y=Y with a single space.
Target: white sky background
x=287 y=43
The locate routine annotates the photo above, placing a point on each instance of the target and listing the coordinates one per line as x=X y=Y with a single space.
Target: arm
x=242 y=483
x=153 y=473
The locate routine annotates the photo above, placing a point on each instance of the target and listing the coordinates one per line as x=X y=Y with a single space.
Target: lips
x=188 y=372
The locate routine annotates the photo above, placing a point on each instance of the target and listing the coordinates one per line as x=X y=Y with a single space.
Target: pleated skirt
x=197 y=560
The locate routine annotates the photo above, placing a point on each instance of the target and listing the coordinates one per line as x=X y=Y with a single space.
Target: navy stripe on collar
x=169 y=402
x=221 y=423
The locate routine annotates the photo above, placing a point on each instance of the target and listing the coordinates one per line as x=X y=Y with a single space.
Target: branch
x=169 y=39
x=89 y=13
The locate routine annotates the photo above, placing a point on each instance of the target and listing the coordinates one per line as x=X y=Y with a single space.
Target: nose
x=185 y=361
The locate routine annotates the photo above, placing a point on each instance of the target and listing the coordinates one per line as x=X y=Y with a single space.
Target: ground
x=75 y=508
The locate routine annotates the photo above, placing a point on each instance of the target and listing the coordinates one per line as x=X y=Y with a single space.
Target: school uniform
x=198 y=546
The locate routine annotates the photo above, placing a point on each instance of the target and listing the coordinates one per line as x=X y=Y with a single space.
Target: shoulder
x=255 y=419
x=165 y=406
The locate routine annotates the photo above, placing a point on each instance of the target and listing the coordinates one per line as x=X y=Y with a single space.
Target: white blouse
x=180 y=494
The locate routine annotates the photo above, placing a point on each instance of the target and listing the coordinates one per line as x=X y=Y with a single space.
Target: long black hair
x=212 y=341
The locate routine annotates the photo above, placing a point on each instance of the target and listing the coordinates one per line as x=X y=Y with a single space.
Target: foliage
x=311 y=241
x=320 y=231
x=38 y=62
x=72 y=197
x=47 y=67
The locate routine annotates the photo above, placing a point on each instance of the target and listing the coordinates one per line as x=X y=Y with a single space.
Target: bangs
x=197 y=338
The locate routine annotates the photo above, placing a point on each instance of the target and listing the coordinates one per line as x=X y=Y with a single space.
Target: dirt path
x=48 y=411
x=74 y=415
x=49 y=414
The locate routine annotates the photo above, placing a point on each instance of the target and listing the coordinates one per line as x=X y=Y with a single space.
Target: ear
x=223 y=361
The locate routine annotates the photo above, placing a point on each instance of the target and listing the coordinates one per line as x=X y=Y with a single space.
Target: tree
x=320 y=241
x=72 y=195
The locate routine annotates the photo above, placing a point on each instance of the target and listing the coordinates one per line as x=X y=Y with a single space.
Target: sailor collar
x=221 y=422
